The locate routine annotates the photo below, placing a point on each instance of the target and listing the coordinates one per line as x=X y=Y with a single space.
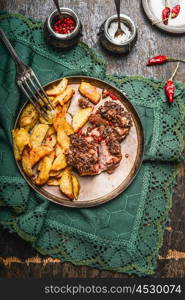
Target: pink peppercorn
x=64 y=25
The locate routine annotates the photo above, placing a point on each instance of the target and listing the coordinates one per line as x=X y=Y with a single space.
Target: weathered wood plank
x=151 y=41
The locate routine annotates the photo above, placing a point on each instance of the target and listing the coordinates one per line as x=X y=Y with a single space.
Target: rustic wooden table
x=17 y=258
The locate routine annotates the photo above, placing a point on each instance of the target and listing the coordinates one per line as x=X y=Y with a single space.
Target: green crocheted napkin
x=125 y=234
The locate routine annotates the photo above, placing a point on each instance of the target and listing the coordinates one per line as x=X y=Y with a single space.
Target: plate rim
x=167 y=28
x=117 y=191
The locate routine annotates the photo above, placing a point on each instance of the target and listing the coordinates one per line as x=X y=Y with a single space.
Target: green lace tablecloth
x=125 y=234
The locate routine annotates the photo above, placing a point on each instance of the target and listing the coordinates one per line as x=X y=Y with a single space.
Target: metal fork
x=28 y=82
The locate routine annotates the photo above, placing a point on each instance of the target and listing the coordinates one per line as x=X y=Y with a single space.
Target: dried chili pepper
x=175 y=11
x=166 y=13
x=157 y=60
x=170 y=87
x=161 y=59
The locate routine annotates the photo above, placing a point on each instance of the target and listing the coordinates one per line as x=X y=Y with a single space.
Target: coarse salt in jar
x=121 y=44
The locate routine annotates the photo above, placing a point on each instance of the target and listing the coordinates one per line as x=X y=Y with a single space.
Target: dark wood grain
x=17 y=258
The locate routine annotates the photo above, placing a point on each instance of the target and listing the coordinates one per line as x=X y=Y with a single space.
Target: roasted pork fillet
x=98 y=148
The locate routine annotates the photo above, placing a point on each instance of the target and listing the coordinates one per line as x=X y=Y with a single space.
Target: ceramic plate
x=153 y=9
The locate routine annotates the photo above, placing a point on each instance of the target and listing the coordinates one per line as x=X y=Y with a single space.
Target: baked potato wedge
x=53 y=182
x=64 y=97
x=66 y=126
x=39 y=152
x=50 y=117
x=61 y=122
x=66 y=185
x=21 y=139
x=90 y=92
x=58 y=89
x=59 y=163
x=42 y=102
x=44 y=169
x=63 y=140
x=65 y=108
x=38 y=134
x=58 y=150
x=81 y=118
x=15 y=148
x=26 y=163
x=51 y=140
x=51 y=131
x=56 y=174
x=76 y=186
x=58 y=108
x=29 y=117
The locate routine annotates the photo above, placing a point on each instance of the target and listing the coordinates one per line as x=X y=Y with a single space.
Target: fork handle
x=9 y=47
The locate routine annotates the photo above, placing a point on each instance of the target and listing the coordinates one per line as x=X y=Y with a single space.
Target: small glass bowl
x=62 y=41
x=109 y=43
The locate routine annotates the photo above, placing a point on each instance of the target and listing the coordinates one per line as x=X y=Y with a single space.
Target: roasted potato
x=56 y=174
x=21 y=139
x=63 y=140
x=60 y=122
x=38 y=134
x=76 y=186
x=59 y=163
x=29 y=117
x=51 y=140
x=51 y=131
x=66 y=126
x=58 y=150
x=39 y=152
x=53 y=181
x=26 y=163
x=44 y=169
x=66 y=186
x=58 y=108
x=90 y=92
x=50 y=117
x=65 y=108
x=81 y=118
x=64 y=97
x=42 y=102
x=15 y=148
x=58 y=89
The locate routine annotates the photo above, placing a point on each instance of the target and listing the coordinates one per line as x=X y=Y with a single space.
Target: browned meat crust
x=83 y=155
x=84 y=102
x=98 y=148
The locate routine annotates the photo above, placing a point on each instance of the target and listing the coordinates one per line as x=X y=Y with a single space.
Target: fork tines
x=32 y=88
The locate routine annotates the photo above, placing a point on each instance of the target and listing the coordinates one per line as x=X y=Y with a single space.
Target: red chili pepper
x=161 y=59
x=166 y=13
x=170 y=90
x=157 y=60
x=175 y=11
x=170 y=87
